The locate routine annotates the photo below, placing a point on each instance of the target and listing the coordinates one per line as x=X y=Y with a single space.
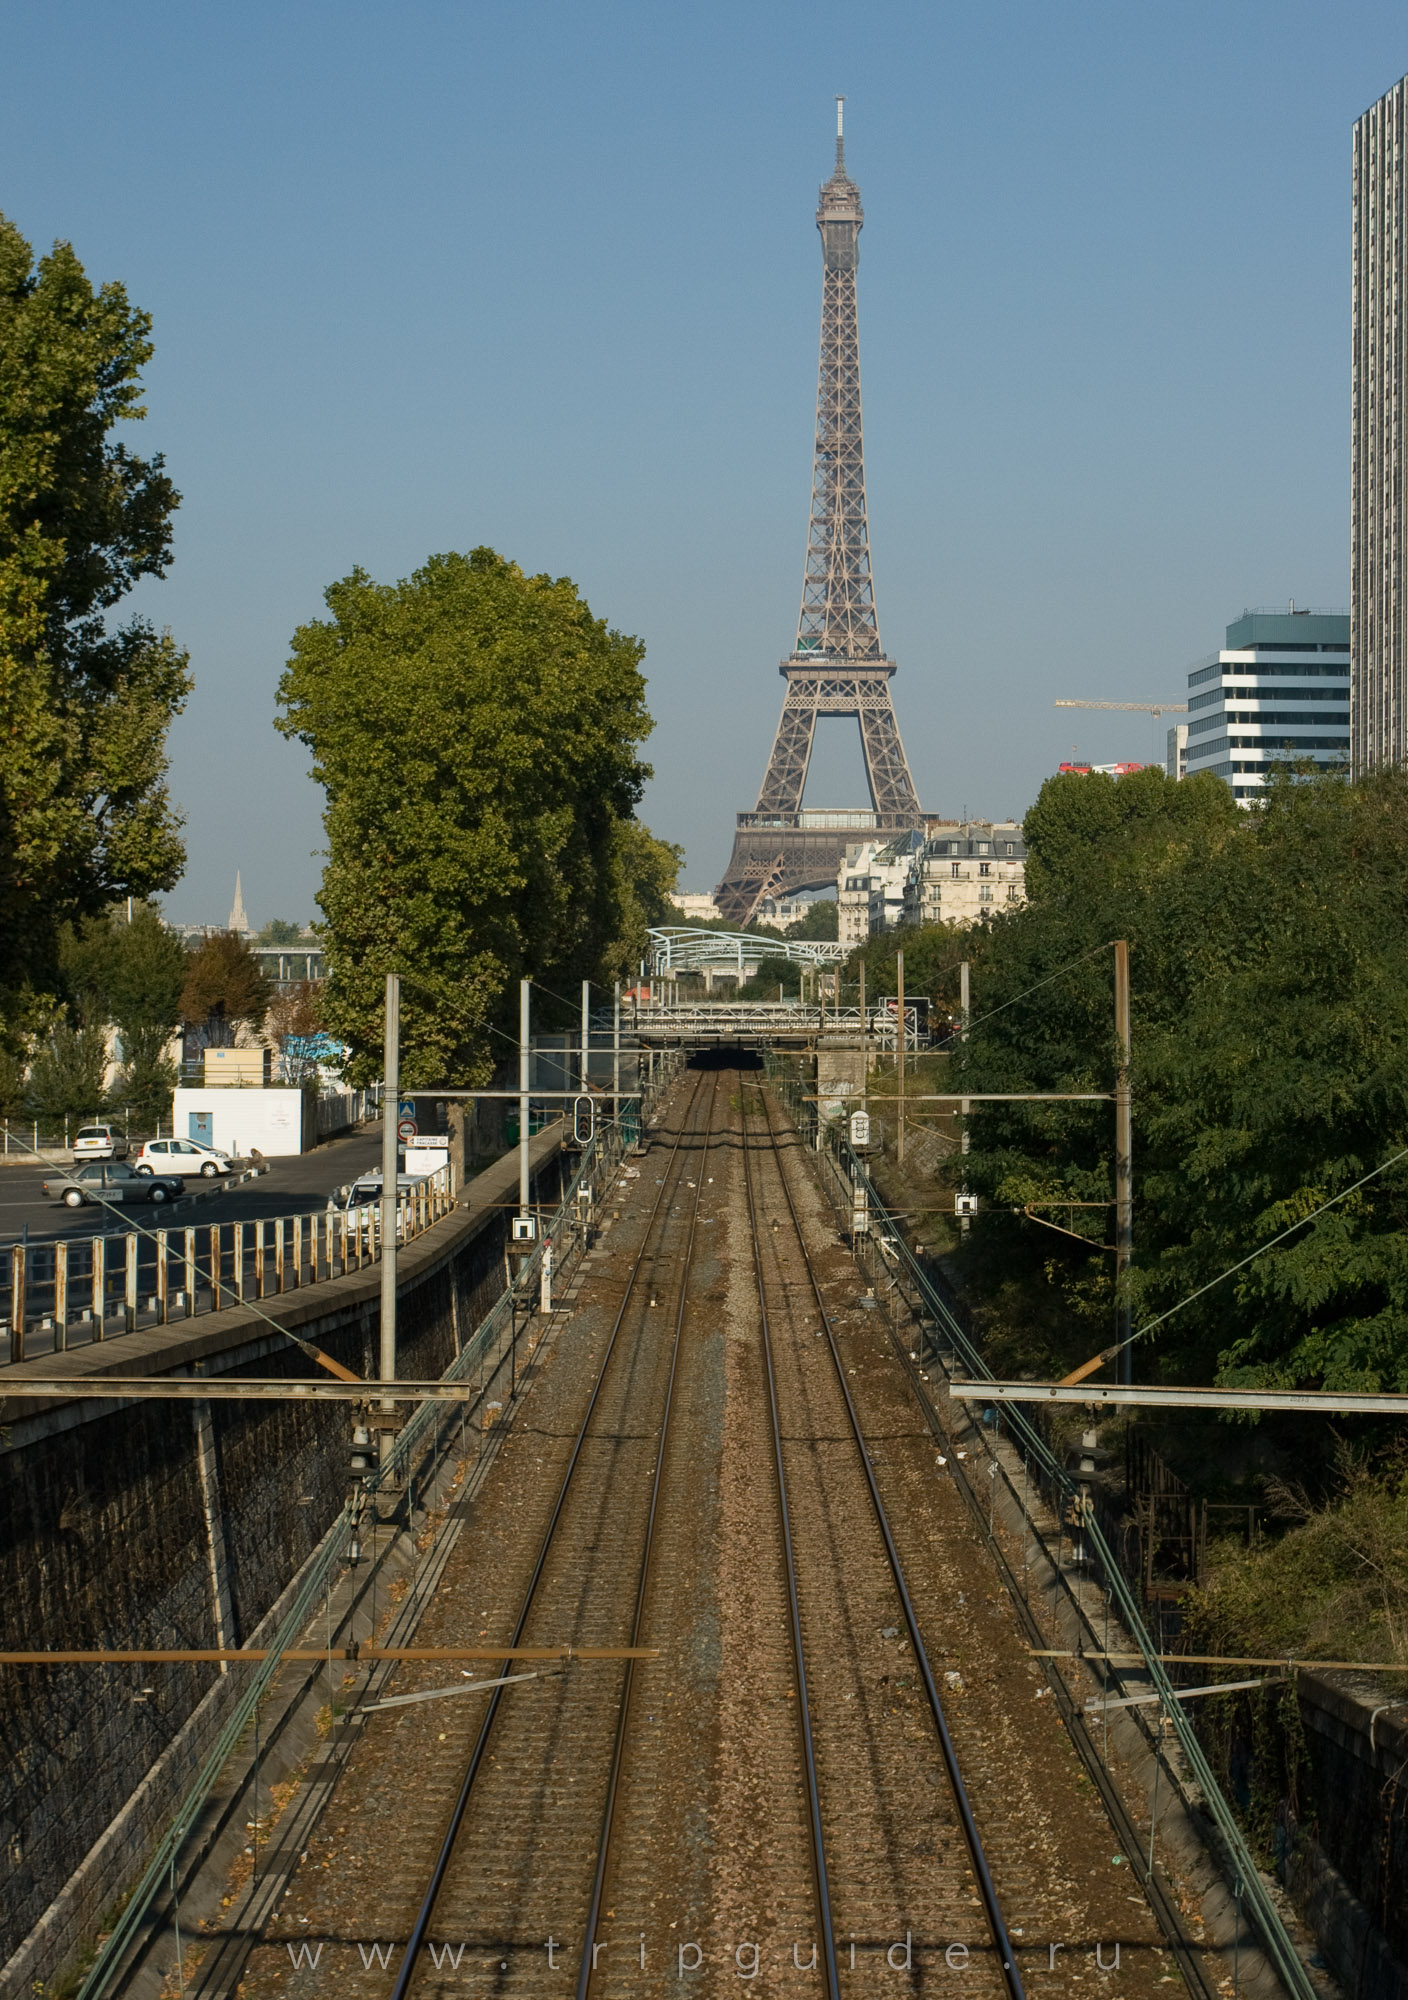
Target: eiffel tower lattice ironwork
x=838 y=667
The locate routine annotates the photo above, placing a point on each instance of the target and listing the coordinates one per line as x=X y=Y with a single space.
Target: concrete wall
x=1347 y=1856
x=179 y=1524
x=241 y=1120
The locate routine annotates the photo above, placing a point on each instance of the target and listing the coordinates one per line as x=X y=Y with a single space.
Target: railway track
x=525 y=1801
x=872 y=1879
x=787 y=1789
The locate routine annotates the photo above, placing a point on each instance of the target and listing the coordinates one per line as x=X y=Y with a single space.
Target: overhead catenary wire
x=1108 y=1354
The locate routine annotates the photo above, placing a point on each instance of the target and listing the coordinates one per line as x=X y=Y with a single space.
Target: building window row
x=1286 y=718
x=1285 y=670
x=1340 y=693
x=1276 y=744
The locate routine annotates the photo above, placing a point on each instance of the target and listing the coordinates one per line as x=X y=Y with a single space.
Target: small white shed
x=241 y=1121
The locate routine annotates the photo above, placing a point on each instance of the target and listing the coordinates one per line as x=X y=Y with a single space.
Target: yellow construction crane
x=1147 y=707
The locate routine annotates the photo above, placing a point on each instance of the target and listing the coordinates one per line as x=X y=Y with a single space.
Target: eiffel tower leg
x=886 y=766
x=786 y=776
x=782 y=860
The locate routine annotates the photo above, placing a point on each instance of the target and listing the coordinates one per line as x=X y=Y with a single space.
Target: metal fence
x=28 y=1139
x=68 y=1293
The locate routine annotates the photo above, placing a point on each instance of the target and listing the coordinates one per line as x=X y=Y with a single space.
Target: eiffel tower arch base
x=776 y=856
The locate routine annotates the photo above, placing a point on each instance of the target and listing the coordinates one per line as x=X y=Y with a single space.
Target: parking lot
x=291 y=1186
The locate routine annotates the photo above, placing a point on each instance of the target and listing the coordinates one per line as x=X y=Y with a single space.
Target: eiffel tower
x=838 y=667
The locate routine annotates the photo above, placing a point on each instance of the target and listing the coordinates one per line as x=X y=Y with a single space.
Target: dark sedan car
x=111 y=1180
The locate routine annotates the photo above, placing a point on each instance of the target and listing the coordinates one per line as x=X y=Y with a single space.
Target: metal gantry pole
x=525 y=1058
x=965 y=1008
x=616 y=1055
x=864 y=1053
x=899 y=1064
x=390 y=1112
x=586 y=1032
x=1124 y=1173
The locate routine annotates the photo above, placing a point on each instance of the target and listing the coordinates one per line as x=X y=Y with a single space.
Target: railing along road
x=78 y=1290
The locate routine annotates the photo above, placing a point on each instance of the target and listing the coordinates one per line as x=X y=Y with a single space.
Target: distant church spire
x=239 y=922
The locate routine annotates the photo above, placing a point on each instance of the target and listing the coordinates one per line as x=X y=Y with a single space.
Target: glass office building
x=1278 y=691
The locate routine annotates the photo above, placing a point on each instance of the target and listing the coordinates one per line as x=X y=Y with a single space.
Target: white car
x=99 y=1142
x=182 y=1156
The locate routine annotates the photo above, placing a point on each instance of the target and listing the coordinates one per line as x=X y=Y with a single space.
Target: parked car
x=366 y=1191
x=99 y=1142
x=111 y=1180
x=183 y=1156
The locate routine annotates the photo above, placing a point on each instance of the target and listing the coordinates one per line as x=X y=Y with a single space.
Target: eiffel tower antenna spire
x=838 y=667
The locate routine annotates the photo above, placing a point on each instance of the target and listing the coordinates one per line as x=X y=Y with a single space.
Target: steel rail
x=820 y=1880
x=1180 y=1941
x=618 y=1749
x=997 y=1926
x=427 y=1909
x=1234 y=1860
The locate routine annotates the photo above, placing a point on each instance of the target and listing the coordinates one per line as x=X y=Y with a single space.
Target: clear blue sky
x=546 y=277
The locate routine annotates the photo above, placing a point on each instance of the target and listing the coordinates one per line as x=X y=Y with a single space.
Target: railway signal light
x=583 y=1121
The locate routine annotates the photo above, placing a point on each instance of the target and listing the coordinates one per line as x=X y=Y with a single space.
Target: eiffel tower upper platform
x=838 y=667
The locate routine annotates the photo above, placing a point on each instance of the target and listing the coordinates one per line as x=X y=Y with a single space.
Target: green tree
x=773 y=973
x=66 y=1075
x=131 y=972
x=84 y=706
x=932 y=956
x=1269 y=957
x=224 y=986
x=819 y=923
x=475 y=730
x=644 y=872
x=279 y=930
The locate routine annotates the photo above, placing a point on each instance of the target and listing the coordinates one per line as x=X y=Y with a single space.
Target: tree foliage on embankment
x=85 y=703
x=475 y=730
x=1269 y=958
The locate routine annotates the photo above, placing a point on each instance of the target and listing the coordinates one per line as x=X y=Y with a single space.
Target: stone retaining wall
x=181 y=1525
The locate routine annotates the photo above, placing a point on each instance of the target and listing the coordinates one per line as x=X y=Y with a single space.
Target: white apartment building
x=955 y=872
x=853 y=892
x=890 y=871
x=695 y=907
x=966 y=871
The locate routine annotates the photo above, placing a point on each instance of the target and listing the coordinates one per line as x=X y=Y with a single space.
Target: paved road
x=291 y=1187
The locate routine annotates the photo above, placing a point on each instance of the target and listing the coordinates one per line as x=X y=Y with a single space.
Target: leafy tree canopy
x=475 y=730
x=932 y=956
x=279 y=930
x=224 y=985
x=84 y=706
x=819 y=923
x=1269 y=960
x=127 y=972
